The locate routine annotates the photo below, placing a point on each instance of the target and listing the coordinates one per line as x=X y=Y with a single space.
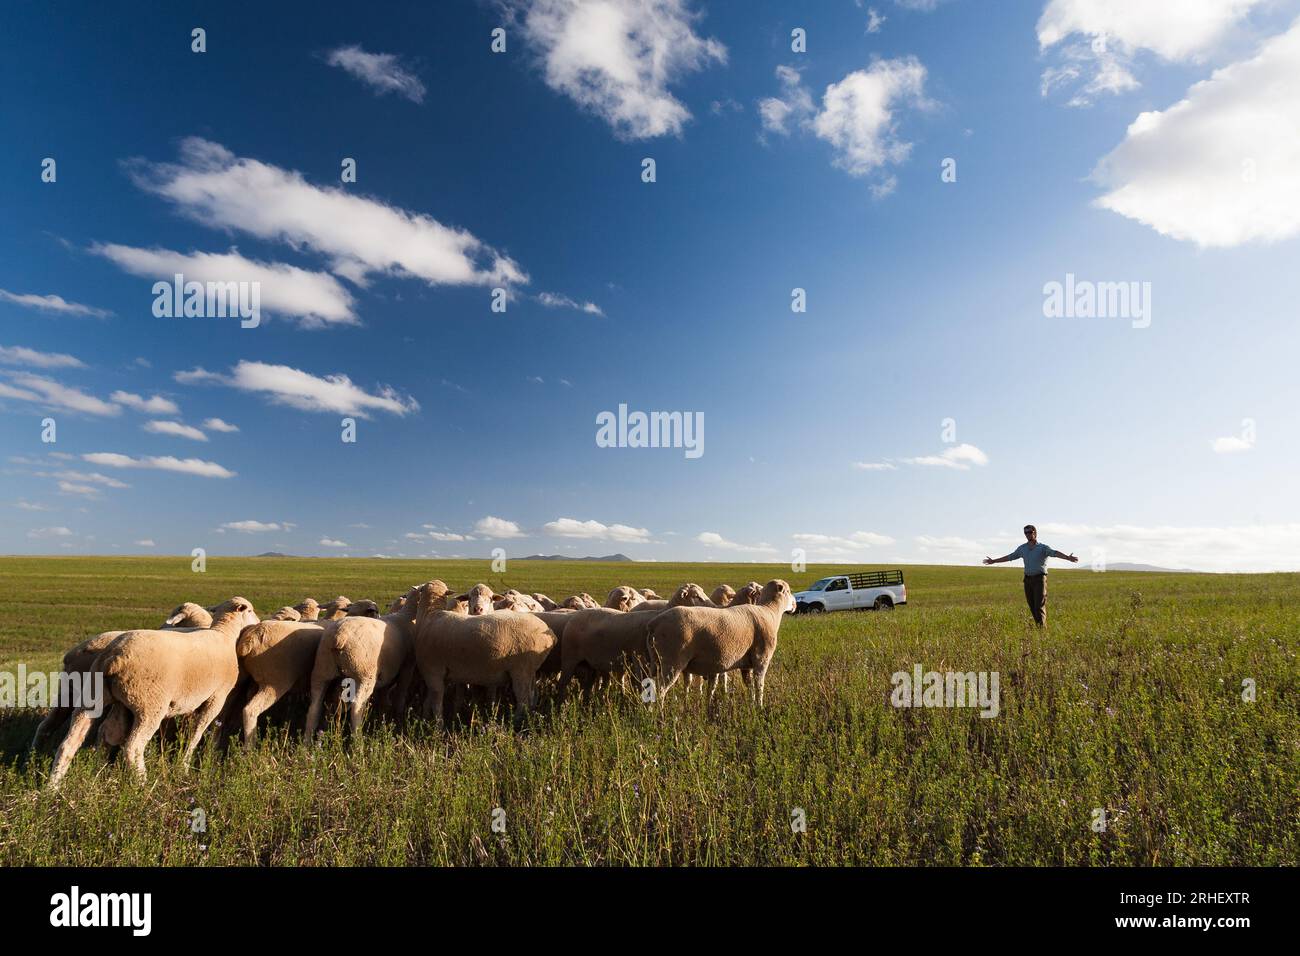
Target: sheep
x=723 y=595
x=579 y=602
x=649 y=594
x=624 y=598
x=155 y=674
x=370 y=651
x=486 y=650
x=398 y=603
x=286 y=614
x=546 y=603
x=480 y=600
x=335 y=609
x=711 y=641
x=363 y=609
x=748 y=594
x=308 y=609
x=514 y=600
x=79 y=659
x=275 y=657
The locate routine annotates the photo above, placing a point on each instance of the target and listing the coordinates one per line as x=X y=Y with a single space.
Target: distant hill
x=1149 y=567
x=562 y=557
x=272 y=554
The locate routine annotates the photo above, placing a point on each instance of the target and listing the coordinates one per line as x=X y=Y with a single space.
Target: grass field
x=1131 y=702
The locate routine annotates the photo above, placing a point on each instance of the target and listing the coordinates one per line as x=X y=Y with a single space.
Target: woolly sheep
x=286 y=614
x=723 y=595
x=275 y=657
x=546 y=603
x=155 y=674
x=308 y=609
x=579 y=602
x=335 y=609
x=709 y=641
x=486 y=650
x=370 y=651
x=624 y=598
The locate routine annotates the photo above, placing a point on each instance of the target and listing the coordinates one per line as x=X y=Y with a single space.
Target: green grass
x=1130 y=702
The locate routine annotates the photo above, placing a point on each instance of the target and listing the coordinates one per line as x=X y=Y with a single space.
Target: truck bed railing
x=875 y=579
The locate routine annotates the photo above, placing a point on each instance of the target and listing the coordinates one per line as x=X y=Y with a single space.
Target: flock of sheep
x=224 y=662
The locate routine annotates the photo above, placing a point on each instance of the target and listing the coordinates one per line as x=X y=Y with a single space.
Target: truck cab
x=862 y=590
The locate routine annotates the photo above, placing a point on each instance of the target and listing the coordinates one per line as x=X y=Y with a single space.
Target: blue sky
x=1090 y=138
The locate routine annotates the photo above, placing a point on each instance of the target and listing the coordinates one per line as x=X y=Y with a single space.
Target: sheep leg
x=402 y=693
x=262 y=699
x=232 y=707
x=54 y=718
x=322 y=674
x=72 y=741
x=203 y=718
x=521 y=682
x=760 y=678
x=434 y=687
x=145 y=726
x=364 y=691
x=667 y=679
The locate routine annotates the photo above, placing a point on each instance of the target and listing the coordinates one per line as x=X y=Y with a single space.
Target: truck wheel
x=816 y=609
x=883 y=604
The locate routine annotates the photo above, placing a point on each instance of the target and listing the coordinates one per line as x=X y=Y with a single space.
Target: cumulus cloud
x=382 y=72
x=838 y=545
x=1230 y=444
x=217 y=425
x=360 y=236
x=307 y=392
x=256 y=527
x=1217 y=168
x=858 y=116
x=960 y=457
x=51 y=303
x=157 y=405
x=39 y=390
x=72 y=488
x=1110 y=33
x=333 y=543
x=617 y=58
x=492 y=527
x=314 y=298
x=176 y=429
x=711 y=539
x=573 y=528
x=59 y=532
x=186 y=466
x=18 y=355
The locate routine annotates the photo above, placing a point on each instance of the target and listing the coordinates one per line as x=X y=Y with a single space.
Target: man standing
x=1035 y=556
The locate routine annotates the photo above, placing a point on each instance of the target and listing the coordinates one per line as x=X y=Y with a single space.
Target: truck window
x=839 y=584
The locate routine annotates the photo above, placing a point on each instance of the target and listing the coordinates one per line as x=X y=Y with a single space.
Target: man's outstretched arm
x=1067 y=557
x=1005 y=558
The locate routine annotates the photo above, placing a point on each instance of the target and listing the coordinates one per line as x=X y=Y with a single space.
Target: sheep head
x=649 y=594
x=689 y=595
x=777 y=592
x=287 y=614
x=189 y=614
x=481 y=599
x=749 y=594
x=308 y=609
x=723 y=595
x=623 y=598
x=238 y=609
x=431 y=596
x=363 y=609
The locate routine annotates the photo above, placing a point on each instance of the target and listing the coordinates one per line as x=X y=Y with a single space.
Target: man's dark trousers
x=1036 y=596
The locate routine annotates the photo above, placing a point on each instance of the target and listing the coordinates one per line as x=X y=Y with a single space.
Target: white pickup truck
x=874 y=590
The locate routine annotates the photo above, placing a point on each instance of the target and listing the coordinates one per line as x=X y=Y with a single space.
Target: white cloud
x=92 y=477
x=50 y=533
x=256 y=527
x=1259 y=547
x=858 y=116
x=555 y=301
x=305 y=391
x=874 y=466
x=960 y=457
x=145 y=543
x=492 y=527
x=382 y=72
x=1218 y=167
x=187 y=466
x=71 y=488
x=836 y=545
x=360 y=236
x=51 y=303
x=950 y=543
x=573 y=528
x=45 y=391
x=617 y=58
x=176 y=429
x=18 y=355
x=333 y=543
x=874 y=20
x=1230 y=444
x=150 y=406
x=314 y=298
x=1112 y=32
x=217 y=425
x=32 y=506
x=711 y=539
